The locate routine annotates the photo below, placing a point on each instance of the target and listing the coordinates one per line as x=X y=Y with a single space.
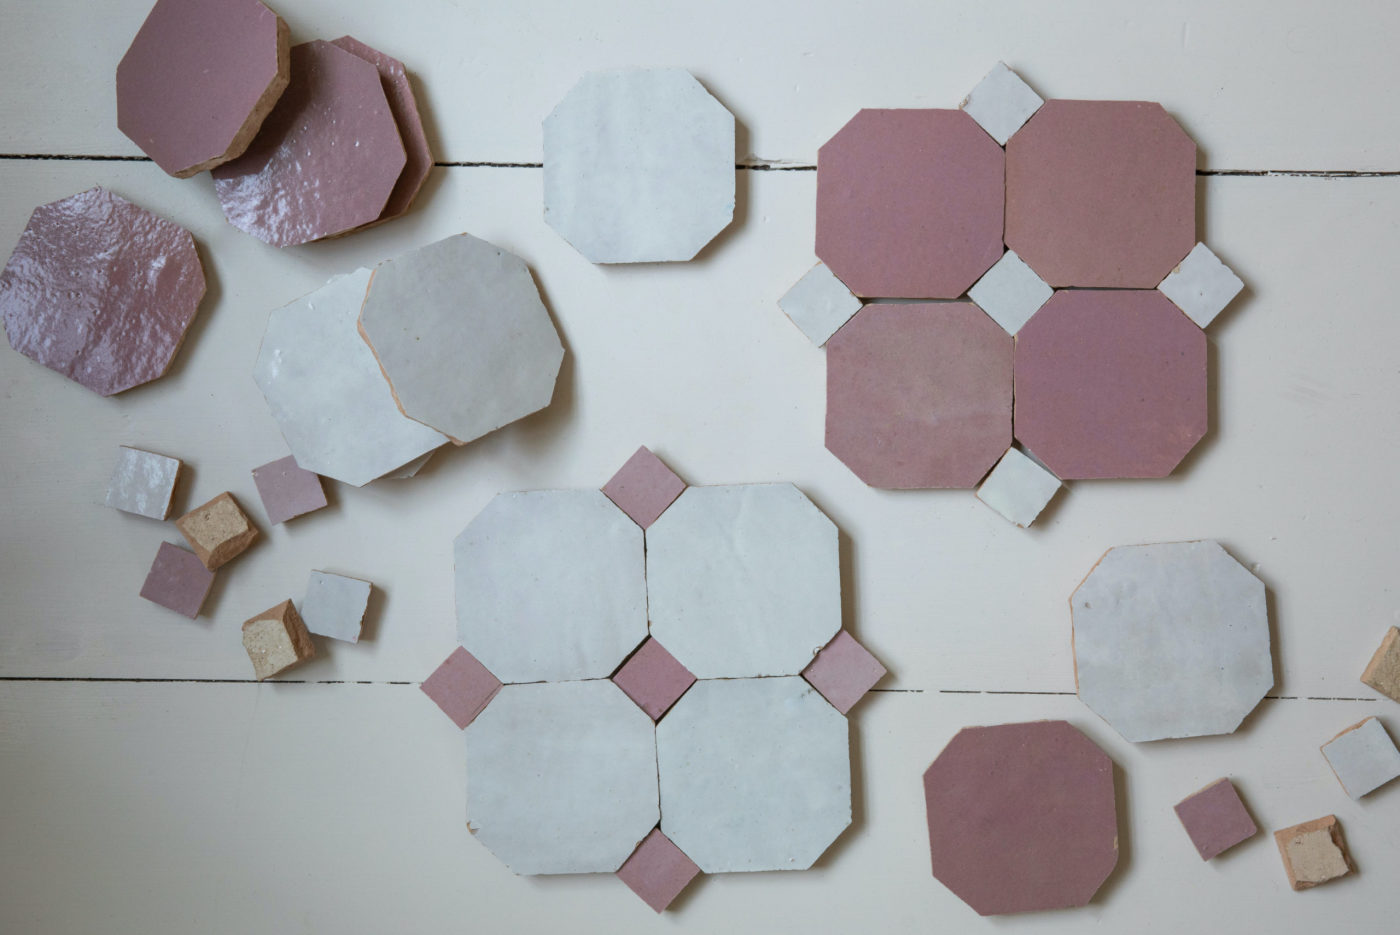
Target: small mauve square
x=178 y=581
x=288 y=490
x=1216 y=819
x=657 y=871
x=644 y=487
x=462 y=687
x=844 y=671
x=653 y=678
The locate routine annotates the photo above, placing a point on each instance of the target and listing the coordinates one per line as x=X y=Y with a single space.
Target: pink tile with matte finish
x=1215 y=818
x=101 y=290
x=644 y=487
x=287 y=490
x=658 y=871
x=844 y=671
x=198 y=80
x=919 y=395
x=1021 y=817
x=653 y=678
x=462 y=687
x=399 y=91
x=326 y=159
x=910 y=203
x=177 y=581
x=1101 y=194
x=1110 y=384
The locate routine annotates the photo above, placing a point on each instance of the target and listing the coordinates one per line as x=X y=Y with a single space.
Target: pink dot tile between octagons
x=844 y=671
x=1216 y=819
x=1110 y=383
x=910 y=203
x=919 y=395
x=644 y=487
x=1101 y=194
x=658 y=871
x=654 y=679
x=462 y=687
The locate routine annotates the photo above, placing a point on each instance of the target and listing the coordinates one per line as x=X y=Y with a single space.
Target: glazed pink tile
x=844 y=671
x=462 y=687
x=287 y=490
x=177 y=581
x=658 y=871
x=644 y=487
x=1215 y=818
x=653 y=678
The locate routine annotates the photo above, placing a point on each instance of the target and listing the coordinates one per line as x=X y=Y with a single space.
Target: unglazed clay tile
x=551 y=585
x=1363 y=757
x=177 y=581
x=1021 y=817
x=198 y=80
x=462 y=687
x=1001 y=103
x=844 y=671
x=562 y=777
x=404 y=106
x=1201 y=285
x=143 y=483
x=1101 y=194
x=276 y=639
x=743 y=581
x=335 y=605
x=327 y=393
x=639 y=166
x=287 y=490
x=218 y=531
x=909 y=203
x=1314 y=852
x=1215 y=818
x=1018 y=488
x=1171 y=640
x=755 y=774
x=658 y=871
x=819 y=304
x=101 y=291
x=1110 y=383
x=326 y=159
x=644 y=487
x=653 y=679
x=1383 y=671
x=919 y=395
x=1010 y=292
x=459 y=330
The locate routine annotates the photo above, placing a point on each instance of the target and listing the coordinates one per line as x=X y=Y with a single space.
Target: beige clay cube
x=218 y=531
x=276 y=639
x=1383 y=672
x=1313 y=852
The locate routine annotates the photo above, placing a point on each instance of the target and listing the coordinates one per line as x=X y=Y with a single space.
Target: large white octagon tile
x=561 y=777
x=743 y=580
x=1171 y=640
x=755 y=774
x=551 y=586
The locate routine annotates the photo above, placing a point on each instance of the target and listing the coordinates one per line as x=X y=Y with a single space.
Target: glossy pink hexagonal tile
x=1101 y=194
x=909 y=203
x=101 y=290
x=919 y=395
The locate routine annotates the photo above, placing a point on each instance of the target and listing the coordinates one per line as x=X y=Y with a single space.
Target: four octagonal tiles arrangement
x=674 y=700
x=1063 y=295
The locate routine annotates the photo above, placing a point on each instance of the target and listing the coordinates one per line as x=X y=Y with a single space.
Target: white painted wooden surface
x=178 y=806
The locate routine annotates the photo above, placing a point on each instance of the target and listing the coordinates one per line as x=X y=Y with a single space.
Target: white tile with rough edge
x=561 y=777
x=143 y=483
x=639 y=166
x=335 y=605
x=743 y=580
x=819 y=304
x=462 y=335
x=1363 y=757
x=1171 y=640
x=410 y=469
x=1002 y=103
x=1201 y=285
x=327 y=393
x=1018 y=488
x=1010 y=292
x=755 y=774
x=551 y=586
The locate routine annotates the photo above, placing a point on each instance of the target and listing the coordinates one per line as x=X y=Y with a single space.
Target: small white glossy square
x=819 y=304
x=1201 y=285
x=1018 y=488
x=335 y=606
x=1010 y=292
x=1002 y=103
x=143 y=483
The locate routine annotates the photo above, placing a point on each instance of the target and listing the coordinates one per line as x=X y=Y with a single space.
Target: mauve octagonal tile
x=198 y=80
x=1110 y=384
x=404 y=106
x=1021 y=817
x=1101 y=194
x=101 y=290
x=919 y=395
x=909 y=203
x=327 y=158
